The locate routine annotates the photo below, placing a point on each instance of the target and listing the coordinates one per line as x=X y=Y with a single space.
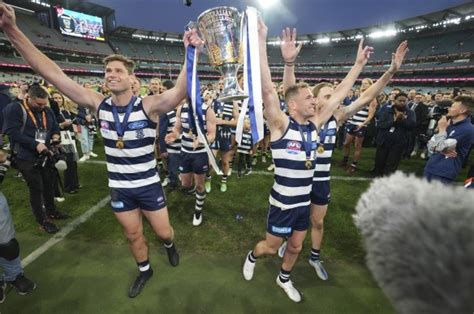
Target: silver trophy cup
x=220 y=28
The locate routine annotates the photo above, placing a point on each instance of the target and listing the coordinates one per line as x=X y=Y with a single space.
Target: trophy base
x=231 y=98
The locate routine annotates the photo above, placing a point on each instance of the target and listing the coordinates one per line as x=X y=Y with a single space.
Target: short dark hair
x=401 y=94
x=466 y=101
x=294 y=90
x=36 y=91
x=169 y=84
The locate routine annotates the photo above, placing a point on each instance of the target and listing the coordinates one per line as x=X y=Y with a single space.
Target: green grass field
x=91 y=269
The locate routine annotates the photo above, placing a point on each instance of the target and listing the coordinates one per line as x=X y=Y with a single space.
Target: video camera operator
x=10 y=261
x=32 y=127
x=451 y=145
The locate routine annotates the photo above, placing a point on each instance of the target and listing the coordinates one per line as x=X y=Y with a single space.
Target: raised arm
x=276 y=119
x=211 y=125
x=289 y=52
x=363 y=55
x=41 y=64
x=374 y=90
x=167 y=101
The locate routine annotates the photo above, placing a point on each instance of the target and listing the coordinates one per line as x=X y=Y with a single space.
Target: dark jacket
x=439 y=165
x=390 y=132
x=422 y=120
x=13 y=114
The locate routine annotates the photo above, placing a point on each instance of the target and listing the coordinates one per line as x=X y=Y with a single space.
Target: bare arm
x=210 y=125
x=289 y=52
x=276 y=119
x=363 y=55
x=43 y=65
x=374 y=90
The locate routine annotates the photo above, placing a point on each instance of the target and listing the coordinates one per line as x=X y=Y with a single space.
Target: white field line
x=58 y=237
x=268 y=173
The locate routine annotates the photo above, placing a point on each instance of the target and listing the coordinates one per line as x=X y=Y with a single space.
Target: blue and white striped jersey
x=293 y=180
x=134 y=165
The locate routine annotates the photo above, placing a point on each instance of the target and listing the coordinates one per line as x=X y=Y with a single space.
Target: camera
x=439 y=110
x=53 y=157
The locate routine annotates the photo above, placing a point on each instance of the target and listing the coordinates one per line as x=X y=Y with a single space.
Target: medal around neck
x=320 y=148
x=120 y=144
x=308 y=164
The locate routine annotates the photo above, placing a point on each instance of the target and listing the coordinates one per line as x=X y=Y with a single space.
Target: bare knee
x=318 y=225
x=294 y=248
x=134 y=236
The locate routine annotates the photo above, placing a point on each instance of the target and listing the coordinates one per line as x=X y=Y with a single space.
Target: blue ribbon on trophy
x=196 y=120
x=252 y=82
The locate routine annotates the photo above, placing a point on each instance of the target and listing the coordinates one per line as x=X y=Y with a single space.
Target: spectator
x=68 y=142
x=87 y=131
x=418 y=136
x=394 y=124
x=451 y=145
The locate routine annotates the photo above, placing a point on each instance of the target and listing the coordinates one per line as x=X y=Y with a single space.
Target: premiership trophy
x=220 y=28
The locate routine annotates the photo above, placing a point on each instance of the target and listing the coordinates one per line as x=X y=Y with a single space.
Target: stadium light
x=266 y=4
x=323 y=40
x=385 y=33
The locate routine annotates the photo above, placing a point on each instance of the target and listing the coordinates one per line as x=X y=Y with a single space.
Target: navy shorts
x=197 y=163
x=321 y=192
x=222 y=143
x=351 y=129
x=282 y=223
x=149 y=197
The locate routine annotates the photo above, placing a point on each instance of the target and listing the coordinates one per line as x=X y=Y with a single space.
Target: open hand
x=289 y=50
x=398 y=56
x=363 y=53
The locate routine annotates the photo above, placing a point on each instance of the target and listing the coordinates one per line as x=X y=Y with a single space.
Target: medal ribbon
x=32 y=116
x=306 y=143
x=120 y=127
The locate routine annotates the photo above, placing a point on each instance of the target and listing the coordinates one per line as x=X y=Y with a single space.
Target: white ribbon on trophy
x=252 y=83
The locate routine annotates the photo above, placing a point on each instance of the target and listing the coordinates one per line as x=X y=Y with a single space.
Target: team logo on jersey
x=293 y=147
x=331 y=132
x=104 y=125
x=137 y=125
x=139 y=134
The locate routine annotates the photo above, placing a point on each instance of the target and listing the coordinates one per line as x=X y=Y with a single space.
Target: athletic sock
x=168 y=244
x=224 y=179
x=284 y=275
x=251 y=257
x=314 y=254
x=145 y=268
x=200 y=197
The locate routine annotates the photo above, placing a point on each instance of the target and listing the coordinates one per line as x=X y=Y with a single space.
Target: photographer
x=31 y=127
x=451 y=145
x=9 y=248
